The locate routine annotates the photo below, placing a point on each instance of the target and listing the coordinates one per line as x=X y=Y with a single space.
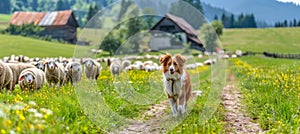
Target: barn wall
x=67 y=33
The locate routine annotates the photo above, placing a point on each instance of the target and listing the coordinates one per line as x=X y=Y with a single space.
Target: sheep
x=55 y=73
x=92 y=69
x=6 y=76
x=74 y=72
x=115 y=68
x=32 y=78
x=125 y=63
x=16 y=69
x=40 y=65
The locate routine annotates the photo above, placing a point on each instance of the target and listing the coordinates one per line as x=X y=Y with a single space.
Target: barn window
x=167 y=28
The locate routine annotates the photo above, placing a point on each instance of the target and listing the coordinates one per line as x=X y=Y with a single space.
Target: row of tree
x=9 y=6
x=242 y=21
x=285 y=23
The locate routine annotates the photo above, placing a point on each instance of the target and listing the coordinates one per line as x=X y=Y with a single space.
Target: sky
x=293 y=1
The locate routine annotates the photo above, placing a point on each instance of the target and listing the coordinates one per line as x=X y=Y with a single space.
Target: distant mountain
x=210 y=12
x=269 y=11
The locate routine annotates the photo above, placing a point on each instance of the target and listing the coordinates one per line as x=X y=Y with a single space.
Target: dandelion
x=18 y=129
x=3 y=131
x=21 y=116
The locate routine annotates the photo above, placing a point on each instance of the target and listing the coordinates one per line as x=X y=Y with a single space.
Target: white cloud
x=297 y=2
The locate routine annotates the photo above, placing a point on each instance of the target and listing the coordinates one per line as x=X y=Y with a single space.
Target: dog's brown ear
x=180 y=59
x=165 y=58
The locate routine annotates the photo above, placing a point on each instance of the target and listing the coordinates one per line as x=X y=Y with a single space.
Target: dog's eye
x=175 y=63
x=169 y=63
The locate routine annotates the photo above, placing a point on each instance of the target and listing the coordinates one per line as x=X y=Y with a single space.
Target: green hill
x=280 y=40
x=4 y=19
x=33 y=47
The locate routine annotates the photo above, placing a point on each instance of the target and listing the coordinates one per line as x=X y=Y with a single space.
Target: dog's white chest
x=173 y=87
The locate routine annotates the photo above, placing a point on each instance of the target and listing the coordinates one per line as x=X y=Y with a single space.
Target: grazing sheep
x=92 y=69
x=55 y=73
x=115 y=68
x=40 y=65
x=6 y=76
x=65 y=62
x=32 y=78
x=16 y=69
x=74 y=72
x=125 y=63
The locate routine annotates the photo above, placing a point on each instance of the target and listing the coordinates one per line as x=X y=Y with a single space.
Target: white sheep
x=92 y=69
x=6 y=76
x=32 y=78
x=115 y=68
x=74 y=72
x=16 y=69
x=55 y=73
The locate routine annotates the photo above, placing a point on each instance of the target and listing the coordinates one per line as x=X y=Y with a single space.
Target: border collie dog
x=176 y=82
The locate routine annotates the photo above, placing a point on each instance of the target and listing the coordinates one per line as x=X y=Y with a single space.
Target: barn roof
x=185 y=26
x=56 y=18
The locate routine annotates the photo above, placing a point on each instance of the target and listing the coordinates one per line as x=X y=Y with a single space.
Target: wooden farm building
x=57 y=24
x=176 y=27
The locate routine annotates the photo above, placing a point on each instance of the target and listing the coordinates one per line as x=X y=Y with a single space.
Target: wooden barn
x=57 y=24
x=176 y=27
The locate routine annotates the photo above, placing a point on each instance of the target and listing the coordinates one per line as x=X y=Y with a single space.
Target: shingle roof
x=56 y=18
x=182 y=24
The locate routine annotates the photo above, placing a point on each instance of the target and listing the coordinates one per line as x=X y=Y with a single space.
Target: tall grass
x=271 y=95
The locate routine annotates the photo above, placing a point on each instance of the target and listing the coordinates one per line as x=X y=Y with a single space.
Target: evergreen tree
x=5 y=6
x=134 y=25
x=225 y=21
x=183 y=9
x=294 y=22
x=60 y=5
x=216 y=17
x=34 y=5
x=285 y=23
x=232 y=21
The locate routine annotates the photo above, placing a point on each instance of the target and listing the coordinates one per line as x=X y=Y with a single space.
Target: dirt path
x=237 y=121
x=151 y=125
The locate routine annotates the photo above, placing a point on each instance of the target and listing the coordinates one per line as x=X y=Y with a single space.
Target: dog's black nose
x=171 y=69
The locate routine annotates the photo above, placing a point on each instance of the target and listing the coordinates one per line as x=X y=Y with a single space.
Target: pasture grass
x=19 y=45
x=271 y=93
x=4 y=19
x=277 y=40
x=53 y=110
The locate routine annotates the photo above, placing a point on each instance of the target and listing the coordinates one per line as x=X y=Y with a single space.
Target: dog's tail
x=197 y=93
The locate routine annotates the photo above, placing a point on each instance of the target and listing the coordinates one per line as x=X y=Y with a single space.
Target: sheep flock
x=34 y=73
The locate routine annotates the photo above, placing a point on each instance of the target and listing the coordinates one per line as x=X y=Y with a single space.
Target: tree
x=216 y=17
x=185 y=10
x=93 y=10
x=5 y=6
x=134 y=25
x=34 y=5
x=218 y=26
x=60 y=5
x=111 y=43
x=209 y=37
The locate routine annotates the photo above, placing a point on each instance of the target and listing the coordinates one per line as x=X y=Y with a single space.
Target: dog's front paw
x=181 y=109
